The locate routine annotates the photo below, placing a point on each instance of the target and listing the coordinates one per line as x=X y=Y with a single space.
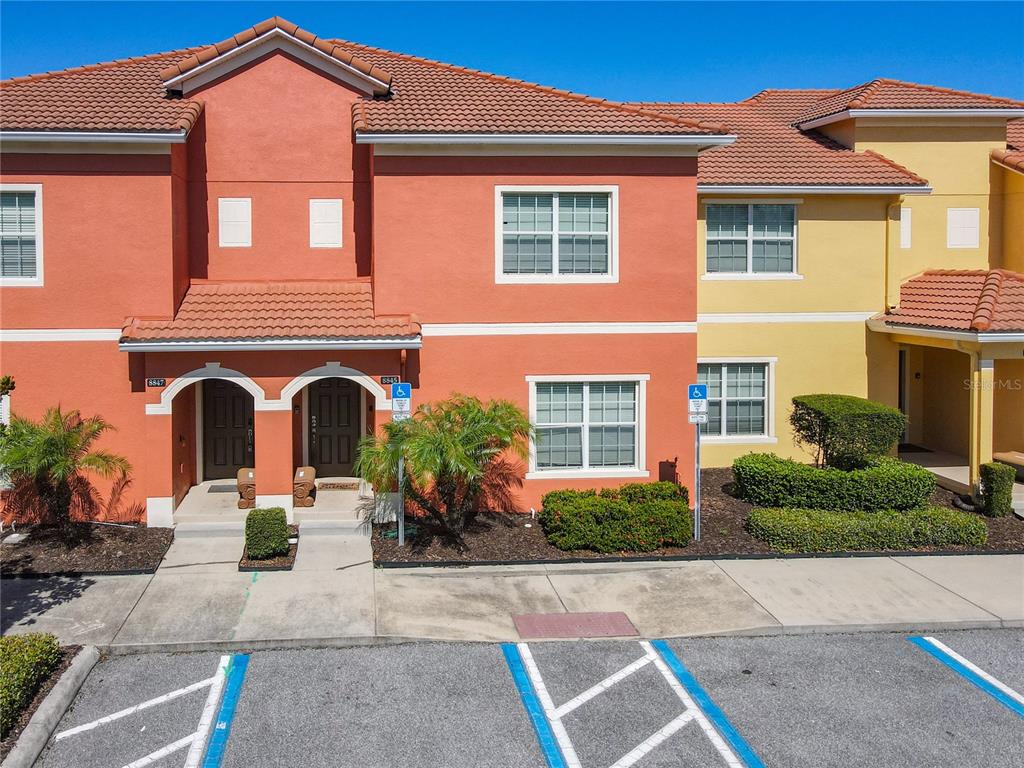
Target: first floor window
x=751 y=238
x=556 y=233
x=20 y=233
x=586 y=425
x=737 y=398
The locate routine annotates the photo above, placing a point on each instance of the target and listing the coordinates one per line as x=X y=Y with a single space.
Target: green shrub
x=765 y=480
x=997 y=488
x=607 y=523
x=25 y=663
x=634 y=493
x=266 y=533
x=845 y=431
x=816 y=530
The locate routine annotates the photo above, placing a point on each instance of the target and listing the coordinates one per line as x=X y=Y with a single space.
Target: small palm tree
x=456 y=456
x=47 y=462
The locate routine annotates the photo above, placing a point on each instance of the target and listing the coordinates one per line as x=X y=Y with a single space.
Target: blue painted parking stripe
x=222 y=729
x=710 y=709
x=545 y=736
x=927 y=645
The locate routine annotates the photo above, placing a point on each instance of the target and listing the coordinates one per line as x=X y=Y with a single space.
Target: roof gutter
x=546 y=138
x=812 y=189
x=98 y=137
x=848 y=114
x=1011 y=337
x=269 y=345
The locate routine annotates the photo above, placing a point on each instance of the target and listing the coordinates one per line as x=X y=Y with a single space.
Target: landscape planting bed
x=68 y=653
x=94 y=549
x=504 y=538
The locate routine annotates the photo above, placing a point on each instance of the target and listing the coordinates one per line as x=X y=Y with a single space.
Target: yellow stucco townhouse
x=868 y=241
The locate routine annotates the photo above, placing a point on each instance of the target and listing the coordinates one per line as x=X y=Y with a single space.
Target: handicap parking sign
x=401 y=391
x=698 y=391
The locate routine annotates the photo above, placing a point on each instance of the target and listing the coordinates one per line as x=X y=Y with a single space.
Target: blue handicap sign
x=402 y=391
x=698 y=392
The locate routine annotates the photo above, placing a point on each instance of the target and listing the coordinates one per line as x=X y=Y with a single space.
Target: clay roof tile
x=984 y=301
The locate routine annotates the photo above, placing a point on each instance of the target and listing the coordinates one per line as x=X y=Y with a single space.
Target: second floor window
x=556 y=236
x=751 y=238
x=20 y=235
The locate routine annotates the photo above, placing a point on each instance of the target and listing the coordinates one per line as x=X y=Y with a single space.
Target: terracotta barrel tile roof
x=770 y=150
x=987 y=301
x=233 y=311
x=1009 y=158
x=885 y=93
x=1015 y=134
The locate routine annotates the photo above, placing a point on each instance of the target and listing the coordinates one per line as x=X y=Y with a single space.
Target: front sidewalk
x=334 y=597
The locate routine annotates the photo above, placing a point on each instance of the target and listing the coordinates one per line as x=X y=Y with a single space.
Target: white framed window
x=746 y=239
x=906 y=225
x=740 y=399
x=962 y=227
x=556 y=234
x=588 y=426
x=234 y=222
x=324 y=223
x=21 y=234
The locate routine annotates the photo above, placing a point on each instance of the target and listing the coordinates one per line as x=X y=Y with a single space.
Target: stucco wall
x=1013 y=219
x=1008 y=406
x=946 y=400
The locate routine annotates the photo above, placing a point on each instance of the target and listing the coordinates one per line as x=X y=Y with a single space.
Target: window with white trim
x=962 y=227
x=737 y=398
x=21 y=234
x=549 y=235
x=586 y=425
x=751 y=238
x=324 y=223
x=234 y=220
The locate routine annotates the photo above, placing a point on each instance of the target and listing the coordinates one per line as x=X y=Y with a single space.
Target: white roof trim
x=881 y=326
x=848 y=114
x=545 y=138
x=138 y=137
x=812 y=189
x=268 y=345
x=276 y=39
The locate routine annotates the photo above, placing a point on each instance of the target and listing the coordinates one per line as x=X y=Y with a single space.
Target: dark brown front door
x=333 y=426
x=227 y=429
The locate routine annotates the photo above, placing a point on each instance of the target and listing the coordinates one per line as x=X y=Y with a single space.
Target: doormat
x=352 y=486
x=536 y=626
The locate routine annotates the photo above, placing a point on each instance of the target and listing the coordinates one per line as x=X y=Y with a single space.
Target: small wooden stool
x=246 y=488
x=304 y=487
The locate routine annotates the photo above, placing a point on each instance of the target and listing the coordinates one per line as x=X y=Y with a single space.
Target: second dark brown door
x=333 y=427
x=227 y=429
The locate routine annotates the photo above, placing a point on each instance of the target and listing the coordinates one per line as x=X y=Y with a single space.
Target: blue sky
x=715 y=51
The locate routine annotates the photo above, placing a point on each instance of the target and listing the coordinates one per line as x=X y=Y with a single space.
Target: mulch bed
x=515 y=538
x=279 y=563
x=67 y=654
x=94 y=548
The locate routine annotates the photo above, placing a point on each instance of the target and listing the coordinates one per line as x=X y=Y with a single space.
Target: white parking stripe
x=604 y=685
x=137 y=708
x=652 y=741
x=152 y=757
x=977 y=670
x=564 y=742
x=195 y=754
x=713 y=736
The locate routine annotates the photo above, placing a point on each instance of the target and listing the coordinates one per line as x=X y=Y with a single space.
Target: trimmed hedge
x=766 y=480
x=997 y=488
x=846 y=431
x=815 y=530
x=25 y=663
x=639 y=517
x=266 y=533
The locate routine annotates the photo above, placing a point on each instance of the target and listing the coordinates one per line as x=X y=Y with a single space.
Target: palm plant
x=47 y=463
x=459 y=453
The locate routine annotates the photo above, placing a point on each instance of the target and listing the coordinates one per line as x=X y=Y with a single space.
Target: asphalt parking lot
x=813 y=700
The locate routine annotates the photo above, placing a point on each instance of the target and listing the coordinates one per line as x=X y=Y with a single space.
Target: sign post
x=401 y=409
x=697 y=402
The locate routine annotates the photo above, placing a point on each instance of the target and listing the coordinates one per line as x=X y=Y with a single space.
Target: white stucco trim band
x=59 y=334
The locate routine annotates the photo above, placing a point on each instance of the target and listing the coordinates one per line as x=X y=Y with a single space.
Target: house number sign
x=156 y=382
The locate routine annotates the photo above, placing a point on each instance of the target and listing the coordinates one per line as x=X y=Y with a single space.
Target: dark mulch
x=279 y=563
x=67 y=654
x=93 y=548
x=513 y=537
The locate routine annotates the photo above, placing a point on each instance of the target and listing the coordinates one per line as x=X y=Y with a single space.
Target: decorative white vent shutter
x=234 y=219
x=325 y=223
x=962 y=225
x=906 y=225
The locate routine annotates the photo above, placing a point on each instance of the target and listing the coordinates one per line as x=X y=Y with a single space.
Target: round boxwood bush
x=607 y=522
x=25 y=663
x=766 y=480
x=846 y=431
x=266 y=533
x=817 y=530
